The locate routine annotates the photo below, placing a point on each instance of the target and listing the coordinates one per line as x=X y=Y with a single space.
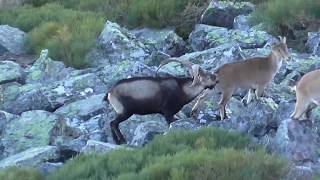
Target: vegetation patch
x=203 y=154
x=14 y=173
x=69 y=28
x=277 y=15
x=68 y=34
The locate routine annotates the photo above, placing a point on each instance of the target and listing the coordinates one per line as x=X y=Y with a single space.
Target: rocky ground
x=50 y=112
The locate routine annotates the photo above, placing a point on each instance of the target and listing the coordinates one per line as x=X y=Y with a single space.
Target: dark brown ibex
x=148 y=95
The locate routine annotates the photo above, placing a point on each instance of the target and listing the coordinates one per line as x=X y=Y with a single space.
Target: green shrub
x=163 y=13
x=203 y=154
x=208 y=164
x=276 y=14
x=68 y=28
x=68 y=34
x=14 y=173
x=179 y=155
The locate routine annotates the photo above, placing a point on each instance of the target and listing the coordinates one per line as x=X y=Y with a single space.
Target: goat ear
x=284 y=40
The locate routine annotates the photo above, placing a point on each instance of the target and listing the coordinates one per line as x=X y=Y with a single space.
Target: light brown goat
x=253 y=74
x=307 y=94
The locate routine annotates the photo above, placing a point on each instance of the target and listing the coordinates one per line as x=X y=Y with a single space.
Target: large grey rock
x=12 y=39
x=146 y=131
x=45 y=70
x=241 y=22
x=175 y=69
x=156 y=58
x=3 y=50
x=93 y=128
x=67 y=136
x=32 y=129
x=32 y=157
x=312 y=45
x=17 y=99
x=205 y=37
x=283 y=112
x=125 y=69
x=303 y=63
x=300 y=173
x=5 y=118
x=212 y=58
x=53 y=95
x=254 y=119
x=250 y=39
x=83 y=109
x=129 y=126
x=163 y=40
x=98 y=147
x=297 y=141
x=73 y=132
x=74 y=88
x=187 y=124
x=117 y=44
x=10 y=72
x=222 y=13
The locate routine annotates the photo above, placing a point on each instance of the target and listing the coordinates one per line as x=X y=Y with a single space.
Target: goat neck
x=275 y=59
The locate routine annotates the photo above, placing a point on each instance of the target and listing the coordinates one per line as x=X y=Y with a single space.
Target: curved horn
x=186 y=63
x=195 y=71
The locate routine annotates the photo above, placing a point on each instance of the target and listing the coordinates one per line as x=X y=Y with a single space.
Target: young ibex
x=148 y=95
x=253 y=74
x=307 y=94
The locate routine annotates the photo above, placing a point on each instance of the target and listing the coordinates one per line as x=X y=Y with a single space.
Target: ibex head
x=203 y=77
x=200 y=76
x=281 y=49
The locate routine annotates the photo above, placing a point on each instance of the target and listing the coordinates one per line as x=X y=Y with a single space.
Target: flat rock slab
x=10 y=72
x=12 y=39
x=31 y=157
x=32 y=129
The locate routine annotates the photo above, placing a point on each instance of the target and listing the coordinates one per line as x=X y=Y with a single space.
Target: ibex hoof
x=193 y=113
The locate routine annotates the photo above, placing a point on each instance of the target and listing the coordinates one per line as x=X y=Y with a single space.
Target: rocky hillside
x=50 y=112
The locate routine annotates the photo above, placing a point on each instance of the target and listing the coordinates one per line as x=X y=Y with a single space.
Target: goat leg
x=200 y=100
x=116 y=133
x=308 y=112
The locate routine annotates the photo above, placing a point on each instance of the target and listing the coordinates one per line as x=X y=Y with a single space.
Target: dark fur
x=168 y=102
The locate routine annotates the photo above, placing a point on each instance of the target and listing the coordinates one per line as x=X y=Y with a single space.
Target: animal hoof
x=193 y=113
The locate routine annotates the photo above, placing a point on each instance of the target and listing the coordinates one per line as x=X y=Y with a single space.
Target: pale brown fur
x=307 y=94
x=253 y=74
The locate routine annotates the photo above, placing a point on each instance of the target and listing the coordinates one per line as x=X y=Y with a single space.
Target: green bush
x=208 y=164
x=179 y=155
x=276 y=14
x=68 y=28
x=14 y=173
x=68 y=34
x=202 y=154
